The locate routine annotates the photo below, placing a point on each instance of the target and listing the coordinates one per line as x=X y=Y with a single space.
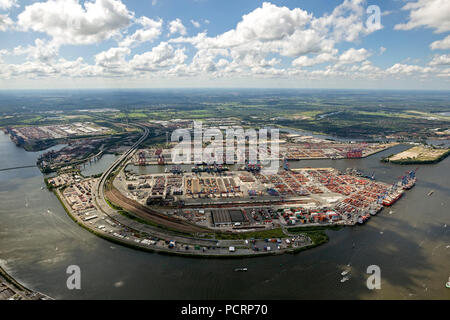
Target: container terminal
x=231 y=201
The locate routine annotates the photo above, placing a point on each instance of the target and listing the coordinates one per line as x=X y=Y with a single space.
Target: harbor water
x=410 y=242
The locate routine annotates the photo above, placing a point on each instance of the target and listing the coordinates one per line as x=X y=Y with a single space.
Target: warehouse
x=236 y=216
x=220 y=217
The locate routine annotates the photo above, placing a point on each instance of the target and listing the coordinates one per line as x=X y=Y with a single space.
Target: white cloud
x=150 y=31
x=113 y=58
x=277 y=30
x=346 y=22
x=161 y=56
x=433 y=14
x=176 y=26
x=7 y=4
x=443 y=44
x=440 y=60
x=68 y=22
x=408 y=69
x=353 y=56
x=5 y=22
x=195 y=23
x=42 y=51
x=261 y=45
x=305 y=61
x=270 y=23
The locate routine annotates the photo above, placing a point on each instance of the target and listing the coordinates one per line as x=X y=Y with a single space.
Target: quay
x=16 y=168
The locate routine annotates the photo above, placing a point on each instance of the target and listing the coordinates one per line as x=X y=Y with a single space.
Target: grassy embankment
x=418 y=155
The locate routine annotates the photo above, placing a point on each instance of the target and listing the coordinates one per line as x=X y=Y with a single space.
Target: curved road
x=99 y=188
x=103 y=206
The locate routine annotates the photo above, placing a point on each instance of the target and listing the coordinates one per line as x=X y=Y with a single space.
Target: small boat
x=240 y=269
x=430 y=193
x=344 y=273
x=345 y=279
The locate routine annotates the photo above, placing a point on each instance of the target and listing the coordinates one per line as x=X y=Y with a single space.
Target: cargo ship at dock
x=409 y=180
x=411 y=183
x=390 y=200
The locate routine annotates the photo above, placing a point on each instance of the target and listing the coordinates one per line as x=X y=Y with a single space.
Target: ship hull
x=388 y=203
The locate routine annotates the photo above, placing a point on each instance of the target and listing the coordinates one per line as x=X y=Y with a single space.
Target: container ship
x=411 y=183
x=390 y=200
x=374 y=210
x=409 y=180
x=363 y=219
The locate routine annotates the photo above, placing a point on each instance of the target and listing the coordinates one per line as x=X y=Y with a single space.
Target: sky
x=348 y=44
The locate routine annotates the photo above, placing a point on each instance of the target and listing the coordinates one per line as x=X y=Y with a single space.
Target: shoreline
x=142 y=247
x=16 y=291
x=409 y=161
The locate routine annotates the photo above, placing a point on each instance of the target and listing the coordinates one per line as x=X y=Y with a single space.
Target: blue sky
x=210 y=43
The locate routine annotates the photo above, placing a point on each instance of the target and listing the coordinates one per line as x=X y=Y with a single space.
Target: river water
x=38 y=241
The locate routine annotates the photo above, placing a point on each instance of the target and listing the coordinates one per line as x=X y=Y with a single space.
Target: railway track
x=132 y=206
x=141 y=211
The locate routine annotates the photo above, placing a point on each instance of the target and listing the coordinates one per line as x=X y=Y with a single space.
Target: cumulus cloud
x=346 y=22
x=195 y=23
x=42 y=51
x=353 y=56
x=161 y=56
x=69 y=22
x=280 y=31
x=150 y=31
x=443 y=44
x=305 y=61
x=440 y=60
x=433 y=14
x=270 y=23
x=269 y=42
x=7 y=4
x=176 y=26
x=113 y=58
x=407 y=69
x=5 y=22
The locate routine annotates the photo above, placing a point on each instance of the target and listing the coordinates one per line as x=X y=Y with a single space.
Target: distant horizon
x=225 y=88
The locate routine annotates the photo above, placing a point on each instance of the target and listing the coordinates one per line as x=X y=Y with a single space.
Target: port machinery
x=142 y=158
x=409 y=180
x=286 y=165
x=393 y=194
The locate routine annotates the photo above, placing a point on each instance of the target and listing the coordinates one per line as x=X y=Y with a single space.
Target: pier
x=15 y=168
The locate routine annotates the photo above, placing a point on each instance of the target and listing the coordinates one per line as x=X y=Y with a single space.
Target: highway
x=103 y=206
x=100 y=187
x=15 y=168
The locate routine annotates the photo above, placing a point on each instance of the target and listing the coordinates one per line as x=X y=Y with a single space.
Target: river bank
x=409 y=241
x=10 y=289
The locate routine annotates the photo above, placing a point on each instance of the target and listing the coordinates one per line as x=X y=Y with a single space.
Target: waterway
x=98 y=166
x=411 y=245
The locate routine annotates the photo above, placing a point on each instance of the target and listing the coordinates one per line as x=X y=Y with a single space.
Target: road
x=15 y=168
x=103 y=206
x=99 y=189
